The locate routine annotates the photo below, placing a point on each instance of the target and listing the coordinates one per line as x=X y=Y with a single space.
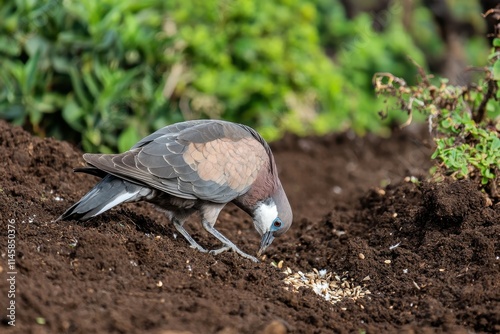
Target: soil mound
x=428 y=253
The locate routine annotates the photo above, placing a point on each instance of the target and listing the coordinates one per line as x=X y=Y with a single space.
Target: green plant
x=258 y=62
x=83 y=70
x=360 y=50
x=474 y=150
x=106 y=73
x=465 y=121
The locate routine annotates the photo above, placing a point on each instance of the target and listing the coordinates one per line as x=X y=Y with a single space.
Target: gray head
x=272 y=217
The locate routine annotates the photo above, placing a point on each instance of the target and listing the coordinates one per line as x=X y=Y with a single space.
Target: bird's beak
x=267 y=239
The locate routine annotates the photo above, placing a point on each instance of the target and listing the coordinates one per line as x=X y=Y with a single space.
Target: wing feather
x=211 y=160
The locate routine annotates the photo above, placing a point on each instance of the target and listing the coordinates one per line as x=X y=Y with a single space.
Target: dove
x=192 y=167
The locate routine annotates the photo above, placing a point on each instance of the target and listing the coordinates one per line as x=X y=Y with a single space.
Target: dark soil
x=102 y=276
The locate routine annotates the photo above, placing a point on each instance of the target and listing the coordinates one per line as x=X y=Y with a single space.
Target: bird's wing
x=169 y=130
x=210 y=160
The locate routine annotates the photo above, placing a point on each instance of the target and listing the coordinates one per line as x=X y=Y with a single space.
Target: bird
x=195 y=166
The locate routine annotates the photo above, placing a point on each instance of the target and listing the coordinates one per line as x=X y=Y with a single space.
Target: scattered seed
x=387 y=261
x=394 y=246
x=322 y=273
x=361 y=256
x=394 y=215
x=441 y=269
x=367 y=278
x=337 y=190
x=280 y=264
x=159 y=284
x=416 y=285
x=331 y=286
x=338 y=233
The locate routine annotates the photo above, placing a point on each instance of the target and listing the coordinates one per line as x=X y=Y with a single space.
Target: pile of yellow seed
x=329 y=285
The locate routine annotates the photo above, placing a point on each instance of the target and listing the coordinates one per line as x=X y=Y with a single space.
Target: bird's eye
x=277 y=223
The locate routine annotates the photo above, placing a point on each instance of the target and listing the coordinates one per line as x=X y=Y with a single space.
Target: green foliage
x=116 y=70
x=86 y=67
x=257 y=62
x=360 y=52
x=465 y=121
x=469 y=149
x=105 y=73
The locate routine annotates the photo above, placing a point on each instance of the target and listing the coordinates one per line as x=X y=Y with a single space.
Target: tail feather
x=108 y=193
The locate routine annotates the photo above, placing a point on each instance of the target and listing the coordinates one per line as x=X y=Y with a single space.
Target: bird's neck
x=263 y=187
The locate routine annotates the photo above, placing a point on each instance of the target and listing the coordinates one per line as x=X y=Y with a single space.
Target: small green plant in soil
x=464 y=120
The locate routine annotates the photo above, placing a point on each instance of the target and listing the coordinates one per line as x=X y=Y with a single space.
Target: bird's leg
x=185 y=234
x=228 y=244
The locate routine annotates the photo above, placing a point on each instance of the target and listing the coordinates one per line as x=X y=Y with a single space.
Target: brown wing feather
x=211 y=160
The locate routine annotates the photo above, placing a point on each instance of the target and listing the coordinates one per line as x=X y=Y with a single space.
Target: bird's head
x=272 y=217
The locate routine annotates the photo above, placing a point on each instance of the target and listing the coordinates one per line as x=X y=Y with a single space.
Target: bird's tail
x=108 y=193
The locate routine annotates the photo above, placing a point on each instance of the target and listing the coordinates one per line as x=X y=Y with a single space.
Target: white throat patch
x=265 y=214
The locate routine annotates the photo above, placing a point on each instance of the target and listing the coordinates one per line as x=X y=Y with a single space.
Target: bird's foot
x=198 y=248
x=234 y=249
x=228 y=244
x=185 y=234
x=220 y=250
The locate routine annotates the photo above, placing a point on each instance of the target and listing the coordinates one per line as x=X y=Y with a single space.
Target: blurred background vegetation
x=103 y=74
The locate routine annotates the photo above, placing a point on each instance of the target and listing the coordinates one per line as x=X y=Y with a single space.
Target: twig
x=481 y=110
x=491 y=11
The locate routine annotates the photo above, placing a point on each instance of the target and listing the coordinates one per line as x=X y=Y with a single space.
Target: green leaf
x=495 y=145
x=31 y=71
x=76 y=81
x=496 y=42
x=9 y=46
x=464 y=171
x=61 y=64
x=496 y=70
x=91 y=84
x=72 y=114
x=447 y=123
x=35 y=116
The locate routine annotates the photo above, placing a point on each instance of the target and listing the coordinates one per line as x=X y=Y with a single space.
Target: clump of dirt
x=428 y=253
